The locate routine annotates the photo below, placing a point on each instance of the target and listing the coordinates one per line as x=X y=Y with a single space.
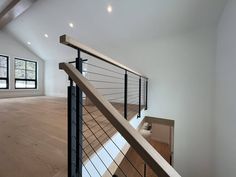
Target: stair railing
x=85 y=126
x=118 y=83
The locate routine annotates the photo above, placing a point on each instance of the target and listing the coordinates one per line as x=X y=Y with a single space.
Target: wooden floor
x=126 y=167
x=33 y=136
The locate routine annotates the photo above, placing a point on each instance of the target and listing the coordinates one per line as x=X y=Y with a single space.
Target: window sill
x=16 y=90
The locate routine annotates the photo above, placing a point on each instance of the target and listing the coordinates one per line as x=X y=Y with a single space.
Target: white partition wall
x=11 y=48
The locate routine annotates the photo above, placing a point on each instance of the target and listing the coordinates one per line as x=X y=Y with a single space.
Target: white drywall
x=56 y=81
x=10 y=47
x=130 y=20
x=181 y=73
x=225 y=107
x=113 y=77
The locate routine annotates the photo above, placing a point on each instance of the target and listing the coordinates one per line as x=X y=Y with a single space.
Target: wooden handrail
x=69 y=41
x=156 y=162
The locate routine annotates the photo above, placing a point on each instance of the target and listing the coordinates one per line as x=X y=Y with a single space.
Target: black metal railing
x=94 y=137
x=88 y=132
x=88 y=129
x=127 y=91
x=95 y=148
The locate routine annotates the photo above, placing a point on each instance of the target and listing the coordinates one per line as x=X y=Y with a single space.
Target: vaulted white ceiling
x=131 y=21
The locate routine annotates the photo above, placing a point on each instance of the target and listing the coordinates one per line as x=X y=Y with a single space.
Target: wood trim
x=170 y=139
x=172 y=145
x=13 y=10
x=160 y=121
x=69 y=41
x=156 y=162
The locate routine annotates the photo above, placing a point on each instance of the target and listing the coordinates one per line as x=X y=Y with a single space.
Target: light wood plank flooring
x=33 y=136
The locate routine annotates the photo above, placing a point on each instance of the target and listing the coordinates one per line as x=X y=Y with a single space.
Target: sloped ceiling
x=132 y=21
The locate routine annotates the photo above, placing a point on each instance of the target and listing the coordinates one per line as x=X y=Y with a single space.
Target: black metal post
x=69 y=110
x=146 y=95
x=145 y=170
x=71 y=130
x=139 y=104
x=125 y=94
x=79 y=121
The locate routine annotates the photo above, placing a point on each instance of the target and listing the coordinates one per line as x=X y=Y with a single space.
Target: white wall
x=225 y=107
x=56 y=81
x=12 y=48
x=181 y=72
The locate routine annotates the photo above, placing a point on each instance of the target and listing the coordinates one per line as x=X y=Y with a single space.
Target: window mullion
x=25 y=79
x=5 y=68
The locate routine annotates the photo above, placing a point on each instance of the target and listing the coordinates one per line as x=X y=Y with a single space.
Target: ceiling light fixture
x=71 y=25
x=46 y=35
x=29 y=43
x=109 y=8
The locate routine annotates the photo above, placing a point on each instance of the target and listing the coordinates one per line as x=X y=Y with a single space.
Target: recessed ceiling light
x=46 y=35
x=109 y=8
x=29 y=43
x=71 y=25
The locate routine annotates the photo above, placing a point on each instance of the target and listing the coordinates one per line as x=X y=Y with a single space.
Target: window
x=4 y=75
x=25 y=74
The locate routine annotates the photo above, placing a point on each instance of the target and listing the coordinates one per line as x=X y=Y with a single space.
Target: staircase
x=105 y=104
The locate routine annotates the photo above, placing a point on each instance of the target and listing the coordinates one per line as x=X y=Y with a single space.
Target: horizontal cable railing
x=94 y=136
x=101 y=93
x=136 y=141
x=120 y=86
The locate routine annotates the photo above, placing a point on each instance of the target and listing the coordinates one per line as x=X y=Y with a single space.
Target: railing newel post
x=139 y=104
x=146 y=95
x=79 y=119
x=69 y=114
x=145 y=170
x=71 y=129
x=126 y=94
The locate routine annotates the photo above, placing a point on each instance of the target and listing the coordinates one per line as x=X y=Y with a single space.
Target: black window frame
x=6 y=78
x=19 y=79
